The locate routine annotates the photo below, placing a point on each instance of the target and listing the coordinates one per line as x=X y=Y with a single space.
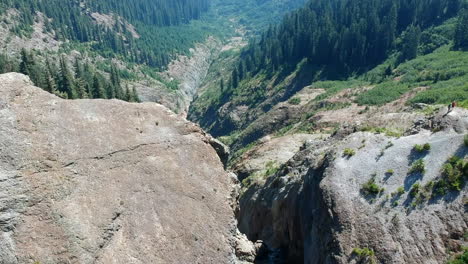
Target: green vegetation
x=390 y=172
x=256 y=15
x=80 y=81
x=333 y=87
x=397 y=194
x=400 y=190
x=417 y=167
x=338 y=37
x=465 y=140
x=347 y=152
x=383 y=93
x=371 y=188
x=415 y=190
x=454 y=175
x=382 y=130
x=365 y=254
x=271 y=168
x=461 y=258
x=159 y=23
x=295 y=101
x=422 y=148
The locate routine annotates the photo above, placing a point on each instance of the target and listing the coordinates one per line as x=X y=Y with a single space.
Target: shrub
x=460 y=259
x=415 y=190
x=390 y=172
x=422 y=148
x=349 y=152
x=465 y=140
x=418 y=167
x=371 y=188
x=400 y=190
x=295 y=101
x=454 y=172
x=363 y=252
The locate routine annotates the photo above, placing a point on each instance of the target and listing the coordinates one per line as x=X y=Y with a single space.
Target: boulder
x=105 y=181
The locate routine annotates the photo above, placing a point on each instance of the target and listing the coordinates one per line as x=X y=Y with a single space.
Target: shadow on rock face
x=271 y=256
x=411 y=179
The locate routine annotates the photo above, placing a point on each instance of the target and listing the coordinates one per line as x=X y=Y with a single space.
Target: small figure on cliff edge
x=451 y=106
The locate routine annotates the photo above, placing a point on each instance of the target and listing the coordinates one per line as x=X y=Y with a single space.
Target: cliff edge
x=105 y=181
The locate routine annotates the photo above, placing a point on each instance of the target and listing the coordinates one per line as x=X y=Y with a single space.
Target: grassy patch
x=383 y=93
x=295 y=101
x=365 y=254
x=347 y=152
x=333 y=87
x=382 y=130
x=271 y=168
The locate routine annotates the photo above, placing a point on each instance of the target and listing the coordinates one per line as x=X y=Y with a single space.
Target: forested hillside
x=73 y=21
x=345 y=36
x=392 y=46
x=134 y=39
x=257 y=15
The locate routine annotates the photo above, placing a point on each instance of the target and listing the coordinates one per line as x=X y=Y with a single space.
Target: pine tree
x=135 y=97
x=128 y=94
x=461 y=31
x=221 y=85
x=97 y=91
x=234 y=79
x=66 y=83
x=410 y=40
x=25 y=63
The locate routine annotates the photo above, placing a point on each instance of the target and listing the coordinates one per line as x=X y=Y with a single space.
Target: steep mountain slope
x=136 y=40
x=104 y=181
x=323 y=113
x=327 y=206
x=246 y=95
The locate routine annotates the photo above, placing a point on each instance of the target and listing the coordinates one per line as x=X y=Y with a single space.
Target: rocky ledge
x=366 y=198
x=104 y=181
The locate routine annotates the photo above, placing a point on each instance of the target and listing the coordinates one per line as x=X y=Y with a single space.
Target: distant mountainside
x=390 y=46
x=108 y=49
x=108 y=25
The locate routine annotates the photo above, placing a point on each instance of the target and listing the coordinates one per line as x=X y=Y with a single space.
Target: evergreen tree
x=234 y=79
x=128 y=94
x=66 y=82
x=221 y=85
x=461 y=31
x=135 y=97
x=97 y=90
x=410 y=43
x=25 y=63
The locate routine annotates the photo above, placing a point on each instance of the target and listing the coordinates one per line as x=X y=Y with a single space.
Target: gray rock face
x=314 y=206
x=104 y=181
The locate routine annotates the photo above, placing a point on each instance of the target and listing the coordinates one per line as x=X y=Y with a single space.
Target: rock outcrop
x=104 y=181
x=316 y=208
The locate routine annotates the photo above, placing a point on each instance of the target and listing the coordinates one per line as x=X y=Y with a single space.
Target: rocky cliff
x=104 y=181
x=359 y=197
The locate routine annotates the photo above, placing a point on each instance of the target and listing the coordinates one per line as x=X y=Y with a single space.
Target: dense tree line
x=78 y=81
x=347 y=36
x=77 y=24
x=461 y=31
